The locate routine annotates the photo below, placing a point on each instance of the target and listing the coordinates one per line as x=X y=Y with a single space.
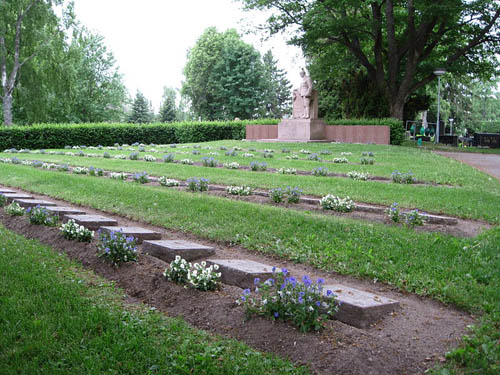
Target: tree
x=224 y=77
x=27 y=27
x=141 y=110
x=278 y=92
x=168 y=110
x=397 y=43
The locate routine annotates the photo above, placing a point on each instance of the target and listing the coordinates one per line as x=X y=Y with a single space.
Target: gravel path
x=488 y=163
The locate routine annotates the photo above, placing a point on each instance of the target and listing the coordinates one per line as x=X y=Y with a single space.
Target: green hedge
x=397 y=127
x=58 y=136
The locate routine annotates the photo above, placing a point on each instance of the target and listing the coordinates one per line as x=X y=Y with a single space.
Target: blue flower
x=256 y=281
x=329 y=293
x=318 y=303
x=274 y=269
x=301 y=300
x=276 y=314
x=321 y=281
x=246 y=292
x=243 y=298
x=285 y=271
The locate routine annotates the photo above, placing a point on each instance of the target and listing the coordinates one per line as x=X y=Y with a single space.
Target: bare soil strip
x=406 y=342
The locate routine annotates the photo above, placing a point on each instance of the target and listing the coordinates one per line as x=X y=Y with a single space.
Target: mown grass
x=56 y=318
x=463 y=272
x=478 y=199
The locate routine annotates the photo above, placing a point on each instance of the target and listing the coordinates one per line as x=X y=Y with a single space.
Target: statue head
x=302 y=73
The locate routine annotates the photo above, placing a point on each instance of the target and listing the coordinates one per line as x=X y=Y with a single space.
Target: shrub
x=197 y=184
x=305 y=151
x=345 y=153
x=222 y=148
x=393 y=212
x=169 y=158
x=332 y=202
x=340 y=160
x=236 y=148
x=187 y=161
x=141 y=178
x=277 y=195
x=231 y=153
x=40 y=216
x=256 y=166
x=169 y=182
x=325 y=152
x=149 y=158
x=106 y=155
x=209 y=162
x=134 y=156
x=283 y=297
x=96 y=172
x=248 y=155
x=233 y=165
x=268 y=155
x=314 y=157
x=320 y=171
x=74 y=232
x=368 y=153
x=204 y=278
x=116 y=247
x=14 y=209
x=402 y=178
x=285 y=151
x=367 y=161
x=3 y=200
x=239 y=190
x=287 y=171
x=118 y=175
x=362 y=176
x=195 y=152
x=293 y=194
x=413 y=218
x=293 y=156
x=80 y=170
x=177 y=270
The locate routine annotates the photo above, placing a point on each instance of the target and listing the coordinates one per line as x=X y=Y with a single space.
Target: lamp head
x=439 y=71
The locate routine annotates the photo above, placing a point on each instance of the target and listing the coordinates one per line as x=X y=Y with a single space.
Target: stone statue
x=302 y=97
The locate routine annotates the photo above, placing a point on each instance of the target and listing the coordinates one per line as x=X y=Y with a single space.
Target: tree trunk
x=397 y=108
x=7 y=109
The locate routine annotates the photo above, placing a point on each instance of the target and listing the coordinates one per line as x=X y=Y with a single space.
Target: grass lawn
x=463 y=272
x=57 y=318
x=476 y=195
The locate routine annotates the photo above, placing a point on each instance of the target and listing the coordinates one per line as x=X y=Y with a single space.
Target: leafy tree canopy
x=396 y=43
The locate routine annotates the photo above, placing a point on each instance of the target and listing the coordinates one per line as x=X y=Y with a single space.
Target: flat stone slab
x=140 y=234
x=11 y=196
x=167 y=250
x=306 y=200
x=242 y=272
x=61 y=211
x=436 y=219
x=26 y=203
x=92 y=222
x=4 y=191
x=369 y=208
x=359 y=308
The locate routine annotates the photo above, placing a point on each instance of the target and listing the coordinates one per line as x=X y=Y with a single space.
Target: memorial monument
x=304 y=125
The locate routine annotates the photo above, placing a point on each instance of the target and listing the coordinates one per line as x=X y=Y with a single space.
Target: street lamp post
x=451 y=126
x=438 y=72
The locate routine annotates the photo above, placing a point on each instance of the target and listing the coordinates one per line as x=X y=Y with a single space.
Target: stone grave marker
x=242 y=272
x=140 y=234
x=27 y=203
x=167 y=250
x=92 y=222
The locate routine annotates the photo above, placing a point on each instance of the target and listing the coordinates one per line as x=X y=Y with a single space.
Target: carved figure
x=302 y=97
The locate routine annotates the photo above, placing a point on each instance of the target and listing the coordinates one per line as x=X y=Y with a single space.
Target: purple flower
x=285 y=271
x=321 y=281
x=256 y=281
x=276 y=314
x=274 y=269
x=301 y=300
x=307 y=281
x=246 y=292
x=329 y=293
x=243 y=298
x=318 y=303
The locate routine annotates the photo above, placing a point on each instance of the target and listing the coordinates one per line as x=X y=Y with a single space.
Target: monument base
x=304 y=130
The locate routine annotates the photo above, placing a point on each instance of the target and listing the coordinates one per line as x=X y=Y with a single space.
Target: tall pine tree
x=168 y=110
x=278 y=92
x=141 y=110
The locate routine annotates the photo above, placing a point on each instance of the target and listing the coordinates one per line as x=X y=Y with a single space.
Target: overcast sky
x=150 y=38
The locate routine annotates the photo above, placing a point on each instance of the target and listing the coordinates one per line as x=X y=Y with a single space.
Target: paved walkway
x=488 y=163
